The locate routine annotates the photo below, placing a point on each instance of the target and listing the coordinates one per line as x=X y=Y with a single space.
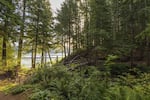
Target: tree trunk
x=35 y=52
x=45 y=58
x=33 y=64
x=132 y=34
x=4 y=53
x=4 y=45
x=50 y=57
x=64 y=47
x=69 y=44
x=148 y=53
x=87 y=40
x=65 y=51
x=21 y=36
x=42 y=57
x=36 y=40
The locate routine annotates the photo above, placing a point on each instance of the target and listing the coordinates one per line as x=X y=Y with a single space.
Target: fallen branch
x=78 y=66
x=71 y=61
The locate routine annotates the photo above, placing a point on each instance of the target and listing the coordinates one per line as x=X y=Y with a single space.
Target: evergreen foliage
x=105 y=45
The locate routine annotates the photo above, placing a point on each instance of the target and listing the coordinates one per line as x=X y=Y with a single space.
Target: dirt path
x=12 y=97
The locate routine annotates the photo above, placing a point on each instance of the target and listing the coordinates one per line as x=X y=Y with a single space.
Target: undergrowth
x=89 y=83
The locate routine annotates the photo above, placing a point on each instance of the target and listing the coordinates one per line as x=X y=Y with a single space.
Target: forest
x=104 y=47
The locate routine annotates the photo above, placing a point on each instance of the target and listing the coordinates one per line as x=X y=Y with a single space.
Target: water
x=26 y=59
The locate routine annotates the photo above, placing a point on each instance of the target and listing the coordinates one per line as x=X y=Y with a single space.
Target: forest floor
x=4 y=86
x=7 y=83
x=4 y=96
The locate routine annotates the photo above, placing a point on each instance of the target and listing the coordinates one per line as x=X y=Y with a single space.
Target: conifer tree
x=39 y=27
x=8 y=23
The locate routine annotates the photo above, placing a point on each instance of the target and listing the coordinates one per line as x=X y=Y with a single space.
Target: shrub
x=20 y=88
x=119 y=69
x=143 y=69
x=59 y=83
x=40 y=95
x=124 y=93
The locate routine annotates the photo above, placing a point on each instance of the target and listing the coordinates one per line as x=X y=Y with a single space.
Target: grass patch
x=6 y=85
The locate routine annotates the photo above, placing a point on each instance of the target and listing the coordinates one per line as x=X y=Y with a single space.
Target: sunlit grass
x=6 y=85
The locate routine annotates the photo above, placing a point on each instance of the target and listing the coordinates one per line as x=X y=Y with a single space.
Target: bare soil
x=12 y=97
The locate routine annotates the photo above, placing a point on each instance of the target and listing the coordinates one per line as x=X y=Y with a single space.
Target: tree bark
x=4 y=53
x=21 y=36
x=42 y=57
x=148 y=53
x=33 y=56
x=50 y=57
x=132 y=34
x=4 y=45
x=36 y=40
